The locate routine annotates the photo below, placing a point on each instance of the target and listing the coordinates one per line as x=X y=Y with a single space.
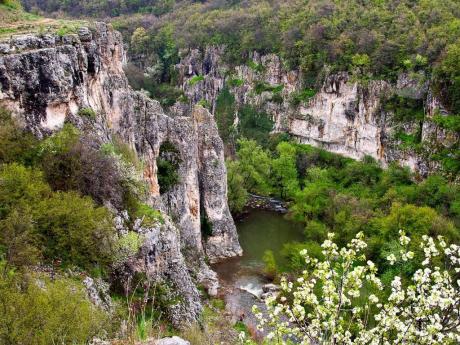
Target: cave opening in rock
x=168 y=162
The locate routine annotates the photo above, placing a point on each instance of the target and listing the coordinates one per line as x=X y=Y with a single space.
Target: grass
x=16 y=21
x=195 y=80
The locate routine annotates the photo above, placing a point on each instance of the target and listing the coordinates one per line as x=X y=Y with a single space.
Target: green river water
x=242 y=279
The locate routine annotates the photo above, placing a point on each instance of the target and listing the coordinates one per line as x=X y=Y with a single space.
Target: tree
x=139 y=40
x=18 y=240
x=38 y=311
x=341 y=300
x=66 y=225
x=16 y=145
x=237 y=193
x=255 y=166
x=285 y=170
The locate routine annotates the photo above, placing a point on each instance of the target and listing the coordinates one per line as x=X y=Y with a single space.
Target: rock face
x=344 y=117
x=47 y=80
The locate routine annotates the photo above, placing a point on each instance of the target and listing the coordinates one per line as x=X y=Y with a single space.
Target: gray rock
x=98 y=293
x=4 y=48
x=85 y=34
x=46 y=87
x=172 y=341
x=343 y=117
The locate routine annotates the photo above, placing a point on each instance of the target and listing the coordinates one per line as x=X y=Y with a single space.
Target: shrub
x=204 y=103
x=148 y=215
x=74 y=230
x=88 y=113
x=302 y=96
x=344 y=286
x=57 y=312
x=259 y=68
x=235 y=82
x=16 y=145
x=195 y=80
x=168 y=163
x=72 y=163
x=237 y=193
x=66 y=226
x=261 y=86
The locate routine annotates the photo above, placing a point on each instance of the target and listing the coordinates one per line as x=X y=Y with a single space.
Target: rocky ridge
x=344 y=116
x=46 y=81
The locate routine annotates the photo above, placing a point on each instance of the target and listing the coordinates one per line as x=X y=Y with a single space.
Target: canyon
x=345 y=116
x=47 y=79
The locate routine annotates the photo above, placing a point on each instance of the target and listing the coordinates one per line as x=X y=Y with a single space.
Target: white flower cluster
x=331 y=303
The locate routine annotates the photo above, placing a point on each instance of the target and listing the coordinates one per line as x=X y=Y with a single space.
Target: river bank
x=242 y=279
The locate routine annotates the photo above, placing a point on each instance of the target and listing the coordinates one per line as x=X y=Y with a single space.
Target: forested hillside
x=377 y=39
x=132 y=153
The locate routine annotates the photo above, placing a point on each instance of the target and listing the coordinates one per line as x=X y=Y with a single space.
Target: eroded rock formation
x=47 y=80
x=344 y=116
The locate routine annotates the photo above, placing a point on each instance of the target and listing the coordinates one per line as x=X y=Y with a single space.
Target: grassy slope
x=14 y=20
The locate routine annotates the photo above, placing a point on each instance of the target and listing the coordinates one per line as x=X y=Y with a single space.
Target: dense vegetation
x=330 y=193
x=374 y=39
x=56 y=228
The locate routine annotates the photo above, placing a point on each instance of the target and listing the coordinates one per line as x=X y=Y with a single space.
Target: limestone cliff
x=45 y=80
x=344 y=116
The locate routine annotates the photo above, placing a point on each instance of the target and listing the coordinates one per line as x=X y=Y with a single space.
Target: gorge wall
x=345 y=116
x=46 y=80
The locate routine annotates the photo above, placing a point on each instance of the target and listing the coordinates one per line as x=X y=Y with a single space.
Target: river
x=242 y=278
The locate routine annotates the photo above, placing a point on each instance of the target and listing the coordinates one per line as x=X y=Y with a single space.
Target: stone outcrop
x=47 y=80
x=344 y=116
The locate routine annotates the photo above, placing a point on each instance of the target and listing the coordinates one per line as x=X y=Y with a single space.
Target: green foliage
x=269 y=260
x=67 y=29
x=237 y=193
x=235 y=82
x=195 y=80
x=330 y=193
x=16 y=145
x=126 y=247
x=56 y=313
x=18 y=241
x=254 y=165
x=168 y=163
x=260 y=87
x=225 y=115
x=121 y=148
x=204 y=103
x=285 y=171
x=447 y=75
x=255 y=66
x=405 y=109
x=254 y=125
x=148 y=215
x=63 y=226
x=294 y=262
x=449 y=122
x=302 y=96
x=88 y=113
x=158 y=89
x=381 y=38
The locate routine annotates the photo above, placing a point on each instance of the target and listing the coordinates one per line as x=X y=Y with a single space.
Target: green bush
x=16 y=144
x=261 y=86
x=149 y=215
x=237 y=193
x=195 y=80
x=168 y=163
x=255 y=66
x=64 y=226
x=57 y=312
x=88 y=113
x=302 y=96
x=235 y=82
